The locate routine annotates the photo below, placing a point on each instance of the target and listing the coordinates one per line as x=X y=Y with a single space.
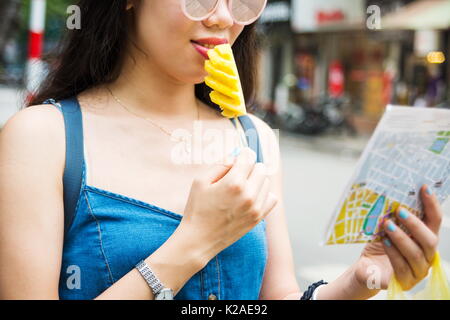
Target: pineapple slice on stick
x=223 y=78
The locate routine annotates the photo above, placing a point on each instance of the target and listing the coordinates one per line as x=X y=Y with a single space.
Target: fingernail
x=429 y=191
x=387 y=243
x=236 y=152
x=391 y=226
x=403 y=214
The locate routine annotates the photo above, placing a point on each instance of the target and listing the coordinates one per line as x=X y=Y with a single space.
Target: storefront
x=276 y=58
x=327 y=49
x=425 y=69
x=335 y=57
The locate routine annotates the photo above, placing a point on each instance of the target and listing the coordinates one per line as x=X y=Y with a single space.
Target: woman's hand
x=227 y=203
x=409 y=257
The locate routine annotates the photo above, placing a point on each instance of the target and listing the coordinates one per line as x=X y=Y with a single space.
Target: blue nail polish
x=387 y=243
x=403 y=214
x=429 y=191
x=391 y=227
x=236 y=152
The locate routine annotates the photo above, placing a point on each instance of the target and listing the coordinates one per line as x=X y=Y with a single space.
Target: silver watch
x=159 y=290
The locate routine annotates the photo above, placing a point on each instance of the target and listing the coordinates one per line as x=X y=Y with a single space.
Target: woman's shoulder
x=34 y=134
x=38 y=121
x=269 y=141
x=266 y=134
x=259 y=123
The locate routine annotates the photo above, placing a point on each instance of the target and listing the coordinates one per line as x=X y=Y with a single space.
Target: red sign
x=336 y=79
x=323 y=17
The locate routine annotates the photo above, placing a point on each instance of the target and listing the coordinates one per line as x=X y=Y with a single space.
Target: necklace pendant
x=182 y=152
x=187 y=146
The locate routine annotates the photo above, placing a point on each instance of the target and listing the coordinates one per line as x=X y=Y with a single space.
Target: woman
x=212 y=231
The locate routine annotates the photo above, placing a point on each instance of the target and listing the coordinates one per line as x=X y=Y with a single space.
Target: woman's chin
x=200 y=78
x=196 y=74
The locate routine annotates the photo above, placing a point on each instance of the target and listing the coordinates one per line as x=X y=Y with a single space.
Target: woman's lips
x=201 y=49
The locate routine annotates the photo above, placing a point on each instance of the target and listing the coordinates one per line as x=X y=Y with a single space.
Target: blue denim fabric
x=112 y=232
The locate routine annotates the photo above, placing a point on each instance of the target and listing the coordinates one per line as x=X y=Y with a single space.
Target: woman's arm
x=31 y=207
x=280 y=282
x=279 y=278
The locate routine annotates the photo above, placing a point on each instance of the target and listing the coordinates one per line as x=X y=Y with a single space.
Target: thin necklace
x=187 y=141
x=148 y=119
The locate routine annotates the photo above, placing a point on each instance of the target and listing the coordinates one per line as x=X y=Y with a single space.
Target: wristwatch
x=159 y=290
x=165 y=294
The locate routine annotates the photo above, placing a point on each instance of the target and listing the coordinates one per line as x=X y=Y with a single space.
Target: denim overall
x=107 y=234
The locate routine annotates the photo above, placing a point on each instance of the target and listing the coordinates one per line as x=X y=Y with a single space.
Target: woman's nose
x=221 y=17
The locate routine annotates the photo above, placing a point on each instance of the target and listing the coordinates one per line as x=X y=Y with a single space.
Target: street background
x=328 y=68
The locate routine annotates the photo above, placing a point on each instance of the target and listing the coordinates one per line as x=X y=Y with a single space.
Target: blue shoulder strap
x=252 y=136
x=73 y=170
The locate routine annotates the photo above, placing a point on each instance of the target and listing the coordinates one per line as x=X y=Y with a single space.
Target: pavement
x=341 y=145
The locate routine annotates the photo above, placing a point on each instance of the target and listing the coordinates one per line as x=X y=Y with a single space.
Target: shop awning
x=420 y=15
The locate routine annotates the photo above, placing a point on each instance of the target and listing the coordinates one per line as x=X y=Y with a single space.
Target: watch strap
x=154 y=283
x=309 y=293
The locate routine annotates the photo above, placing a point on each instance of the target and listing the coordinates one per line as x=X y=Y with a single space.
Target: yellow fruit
x=223 y=78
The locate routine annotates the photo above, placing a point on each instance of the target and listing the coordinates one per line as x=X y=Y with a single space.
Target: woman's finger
x=242 y=167
x=411 y=251
x=402 y=270
x=432 y=208
x=423 y=235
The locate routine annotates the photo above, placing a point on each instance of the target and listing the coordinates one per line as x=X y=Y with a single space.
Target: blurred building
x=374 y=52
x=14 y=57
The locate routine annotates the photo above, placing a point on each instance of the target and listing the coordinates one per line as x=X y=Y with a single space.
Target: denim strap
x=251 y=135
x=73 y=170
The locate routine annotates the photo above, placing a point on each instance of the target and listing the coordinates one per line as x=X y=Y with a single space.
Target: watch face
x=165 y=294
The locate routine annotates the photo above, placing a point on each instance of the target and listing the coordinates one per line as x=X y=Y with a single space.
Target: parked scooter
x=266 y=113
x=327 y=114
x=338 y=114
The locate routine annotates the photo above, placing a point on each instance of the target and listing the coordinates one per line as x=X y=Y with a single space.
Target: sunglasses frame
x=230 y=4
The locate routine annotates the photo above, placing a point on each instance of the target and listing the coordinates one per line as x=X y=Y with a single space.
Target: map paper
x=410 y=147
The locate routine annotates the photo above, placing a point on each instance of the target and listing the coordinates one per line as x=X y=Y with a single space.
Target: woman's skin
x=220 y=203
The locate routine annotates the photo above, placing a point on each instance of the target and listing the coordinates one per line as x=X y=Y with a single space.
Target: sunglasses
x=244 y=12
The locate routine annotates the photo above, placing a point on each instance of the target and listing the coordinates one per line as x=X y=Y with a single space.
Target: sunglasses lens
x=247 y=10
x=199 y=8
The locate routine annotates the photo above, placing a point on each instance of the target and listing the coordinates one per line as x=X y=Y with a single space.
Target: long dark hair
x=94 y=54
